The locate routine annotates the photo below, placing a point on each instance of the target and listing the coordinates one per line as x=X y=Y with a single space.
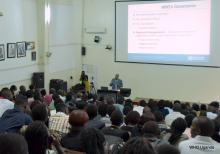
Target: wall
x=19 y=23
x=151 y=81
x=65 y=40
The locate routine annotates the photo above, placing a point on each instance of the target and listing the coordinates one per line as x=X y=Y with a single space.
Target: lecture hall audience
x=76 y=122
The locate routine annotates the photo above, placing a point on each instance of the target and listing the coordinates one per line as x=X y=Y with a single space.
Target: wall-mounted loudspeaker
x=83 y=51
x=38 y=79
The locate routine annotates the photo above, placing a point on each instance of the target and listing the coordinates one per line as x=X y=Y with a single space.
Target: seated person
x=114 y=129
x=6 y=98
x=12 y=143
x=151 y=132
x=202 y=129
x=176 y=135
x=77 y=121
x=116 y=83
x=59 y=121
x=94 y=121
x=13 y=119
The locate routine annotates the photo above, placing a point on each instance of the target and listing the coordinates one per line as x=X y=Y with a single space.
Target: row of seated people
x=91 y=126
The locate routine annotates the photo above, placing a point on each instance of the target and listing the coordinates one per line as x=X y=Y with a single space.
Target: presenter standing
x=116 y=83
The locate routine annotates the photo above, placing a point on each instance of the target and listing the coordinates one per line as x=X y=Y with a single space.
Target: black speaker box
x=58 y=84
x=38 y=80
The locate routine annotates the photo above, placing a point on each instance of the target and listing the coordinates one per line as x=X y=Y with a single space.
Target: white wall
x=18 y=24
x=151 y=81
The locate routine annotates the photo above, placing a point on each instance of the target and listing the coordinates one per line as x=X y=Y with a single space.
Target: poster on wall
x=21 y=52
x=30 y=45
x=2 y=52
x=11 y=50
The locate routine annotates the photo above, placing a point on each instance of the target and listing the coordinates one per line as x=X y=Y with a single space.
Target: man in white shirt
x=174 y=115
x=202 y=129
x=6 y=98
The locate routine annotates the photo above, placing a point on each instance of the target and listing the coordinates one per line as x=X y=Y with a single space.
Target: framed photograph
x=21 y=49
x=33 y=55
x=11 y=50
x=2 y=52
x=30 y=45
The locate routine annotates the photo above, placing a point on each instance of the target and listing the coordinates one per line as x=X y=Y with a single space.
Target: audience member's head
x=31 y=87
x=213 y=107
x=203 y=107
x=137 y=145
x=116 y=118
x=40 y=113
x=37 y=95
x=37 y=136
x=151 y=127
x=195 y=107
x=146 y=117
x=91 y=111
x=52 y=91
x=22 y=90
x=92 y=141
x=158 y=116
x=189 y=118
x=128 y=102
x=81 y=105
x=13 y=88
x=132 y=118
x=6 y=94
x=110 y=100
x=13 y=144
x=43 y=92
x=167 y=149
x=61 y=107
x=127 y=109
x=21 y=101
x=178 y=126
x=143 y=103
x=146 y=109
x=202 y=126
x=110 y=109
x=78 y=118
x=102 y=109
x=177 y=107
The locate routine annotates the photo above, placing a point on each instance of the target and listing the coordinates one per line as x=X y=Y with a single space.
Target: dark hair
x=178 y=126
x=143 y=103
x=91 y=111
x=167 y=149
x=151 y=127
x=158 y=116
x=43 y=92
x=39 y=112
x=102 y=109
x=215 y=104
x=110 y=109
x=61 y=107
x=36 y=136
x=132 y=118
x=57 y=102
x=31 y=87
x=116 y=118
x=37 y=95
x=81 y=105
x=195 y=107
x=78 y=118
x=137 y=145
x=92 y=141
x=189 y=118
x=13 y=144
x=21 y=100
x=177 y=107
x=203 y=107
x=127 y=109
x=13 y=88
x=202 y=126
x=22 y=90
x=7 y=94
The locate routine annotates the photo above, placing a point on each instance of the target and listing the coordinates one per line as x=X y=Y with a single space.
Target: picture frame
x=11 y=50
x=21 y=49
x=2 y=52
x=30 y=45
x=33 y=56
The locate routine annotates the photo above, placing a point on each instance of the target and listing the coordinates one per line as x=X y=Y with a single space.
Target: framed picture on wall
x=11 y=50
x=2 y=52
x=21 y=49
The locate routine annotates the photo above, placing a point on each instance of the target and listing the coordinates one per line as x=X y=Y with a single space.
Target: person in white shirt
x=6 y=98
x=174 y=115
x=202 y=129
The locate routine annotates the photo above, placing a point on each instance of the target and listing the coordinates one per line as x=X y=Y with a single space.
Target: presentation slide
x=167 y=32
